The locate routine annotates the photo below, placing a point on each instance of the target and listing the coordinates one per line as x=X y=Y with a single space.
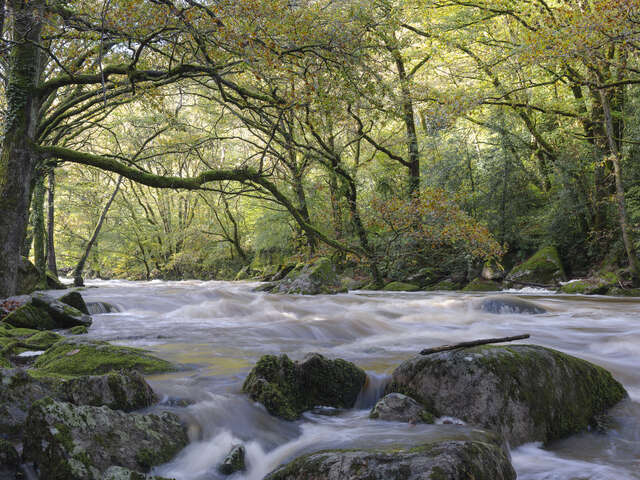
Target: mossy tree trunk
x=38 y=231
x=17 y=160
x=51 y=249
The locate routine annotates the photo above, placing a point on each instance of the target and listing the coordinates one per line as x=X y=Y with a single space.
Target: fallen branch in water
x=473 y=343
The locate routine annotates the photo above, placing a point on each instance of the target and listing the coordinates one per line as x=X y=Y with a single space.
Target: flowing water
x=218 y=330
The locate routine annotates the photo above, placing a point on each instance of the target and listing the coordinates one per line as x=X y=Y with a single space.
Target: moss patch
x=481 y=285
x=401 y=287
x=544 y=268
x=29 y=316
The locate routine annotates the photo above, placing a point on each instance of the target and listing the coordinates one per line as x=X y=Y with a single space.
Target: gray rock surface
x=234 y=461
x=509 y=304
x=81 y=442
x=318 y=277
x=75 y=300
x=452 y=460
x=526 y=393
x=396 y=407
x=64 y=315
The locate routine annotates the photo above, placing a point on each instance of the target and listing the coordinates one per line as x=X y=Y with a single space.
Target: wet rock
x=447 y=284
x=100 y=307
x=18 y=391
x=491 y=270
x=526 y=393
x=451 y=460
x=120 y=473
x=75 y=300
x=64 y=315
x=41 y=340
x=396 y=407
x=318 y=277
x=401 y=287
x=510 y=304
x=544 y=268
x=80 y=356
x=266 y=287
x=29 y=278
x=79 y=330
x=9 y=461
x=481 y=285
x=125 y=391
x=234 y=462
x=599 y=284
x=288 y=388
x=30 y=316
x=82 y=442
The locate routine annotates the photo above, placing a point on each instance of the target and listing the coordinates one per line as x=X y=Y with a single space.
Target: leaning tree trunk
x=17 y=161
x=77 y=273
x=51 y=248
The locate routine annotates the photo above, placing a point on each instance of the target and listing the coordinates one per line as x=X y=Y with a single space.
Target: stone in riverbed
x=120 y=473
x=317 y=277
x=482 y=285
x=287 y=389
x=92 y=357
x=234 y=461
x=450 y=460
x=510 y=304
x=75 y=300
x=396 y=407
x=32 y=317
x=527 y=393
x=401 y=287
x=543 y=268
x=81 y=442
x=65 y=316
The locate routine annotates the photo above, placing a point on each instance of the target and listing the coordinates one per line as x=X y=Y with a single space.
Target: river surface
x=217 y=330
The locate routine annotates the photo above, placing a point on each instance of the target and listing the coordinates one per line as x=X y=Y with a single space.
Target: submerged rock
x=92 y=357
x=451 y=460
x=75 y=300
x=544 y=268
x=100 y=307
x=527 y=393
x=288 y=388
x=81 y=442
x=396 y=407
x=317 y=277
x=234 y=462
x=64 y=315
x=510 y=304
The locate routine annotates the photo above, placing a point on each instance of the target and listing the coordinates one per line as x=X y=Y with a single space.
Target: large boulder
x=543 y=268
x=509 y=304
x=598 y=284
x=29 y=278
x=79 y=356
x=82 y=442
x=64 y=315
x=482 y=285
x=125 y=391
x=288 y=388
x=401 y=287
x=527 y=393
x=396 y=407
x=30 y=316
x=451 y=460
x=317 y=277
x=120 y=473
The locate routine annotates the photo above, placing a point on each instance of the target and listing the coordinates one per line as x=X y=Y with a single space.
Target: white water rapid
x=218 y=330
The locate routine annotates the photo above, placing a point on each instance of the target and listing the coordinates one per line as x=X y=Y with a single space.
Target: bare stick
x=473 y=343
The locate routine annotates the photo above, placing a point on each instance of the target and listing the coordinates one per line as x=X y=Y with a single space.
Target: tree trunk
x=38 y=231
x=77 y=273
x=17 y=161
x=51 y=249
x=620 y=200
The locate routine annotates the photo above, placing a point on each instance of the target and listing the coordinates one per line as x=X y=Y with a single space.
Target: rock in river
x=510 y=304
x=526 y=393
x=79 y=442
x=451 y=460
x=288 y=388
x=396 y=407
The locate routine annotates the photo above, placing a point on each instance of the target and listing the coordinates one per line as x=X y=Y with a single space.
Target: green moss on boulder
x=79 y=330
x=288 y=388
x=92 y=357
x=482 y=285
x=400 y=287
x=544 y=268
x=317 y=277
x=446 y=284
x=75 y=300
x=32 y=317
x=526 y=393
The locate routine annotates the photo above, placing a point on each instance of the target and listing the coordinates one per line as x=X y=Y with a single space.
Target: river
x=217 y=330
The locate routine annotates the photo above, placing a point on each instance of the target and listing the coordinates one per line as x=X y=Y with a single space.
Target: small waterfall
x=373 y=390
x=96 y=308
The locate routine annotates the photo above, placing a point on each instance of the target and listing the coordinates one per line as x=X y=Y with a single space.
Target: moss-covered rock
x=91 y=357
x=32 y=317
x=29 y=278
x=624 y=292
x=598 y=284
x=543 y=268
x=317 y=277
x=509 y=304
x=79 y=330
x=17 y=392
x=482 y=285
x=41 y=340
x=65 y=316
x=400 y=287
x=450 y=460
x=288 y=388
x=396 y=407
x=526 y=393
x=120 y=473
x=75 y=300
x=447 y=285
x=81 y=442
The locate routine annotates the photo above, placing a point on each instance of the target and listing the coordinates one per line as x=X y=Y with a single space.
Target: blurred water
x=218 y=330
